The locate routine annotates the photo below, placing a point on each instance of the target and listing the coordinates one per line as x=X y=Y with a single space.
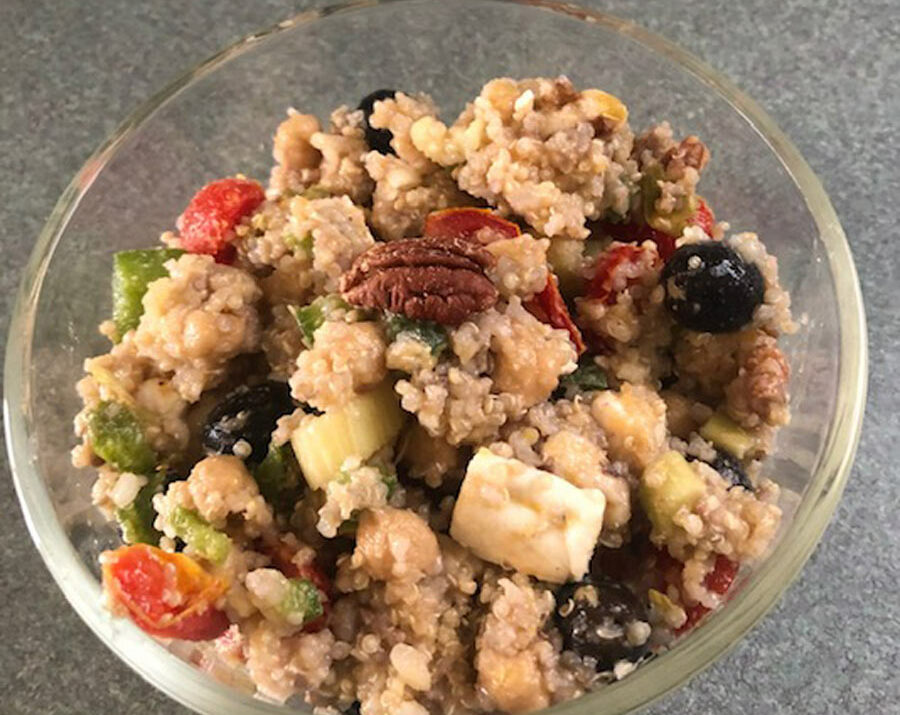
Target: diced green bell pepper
x=278 y=477
x=118 y=438
x=136 y=519
x=588 y=377
x=302 y=602
x=300 y=245
x=434 y=335
x=390 y=481
x=310 y=317
x=133 y=271
x=195 y=531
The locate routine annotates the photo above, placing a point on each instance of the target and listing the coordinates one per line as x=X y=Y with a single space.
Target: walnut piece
x=439 y=279
x=759 y=394
x=690 y=153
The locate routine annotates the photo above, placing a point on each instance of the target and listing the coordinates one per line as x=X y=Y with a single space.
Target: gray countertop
x=828 y=73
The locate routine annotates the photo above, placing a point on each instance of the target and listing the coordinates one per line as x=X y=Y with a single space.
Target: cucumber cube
x=724 y=433
x=358 y=429
x=667 y=485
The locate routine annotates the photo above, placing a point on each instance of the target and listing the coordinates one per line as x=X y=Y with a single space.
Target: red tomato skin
x=549 y=307
x=136 y=579
x=665 y=243
x=719 y=581
x=203 y=626
x=603 y=284
x=281 y=559
x=465 y=222
x=721 y=578
x=704 y=217
x=207 y=224
x=638 y=233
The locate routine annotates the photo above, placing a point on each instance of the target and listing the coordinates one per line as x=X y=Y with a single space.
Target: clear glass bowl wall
x=218 y=120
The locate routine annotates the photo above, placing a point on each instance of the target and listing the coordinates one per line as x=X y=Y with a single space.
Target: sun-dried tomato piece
x=719 y=581
x=549 y=307
x=638 y=233
x=694 y=615
x=617 y=268
x=466 y=222
x=207 y=224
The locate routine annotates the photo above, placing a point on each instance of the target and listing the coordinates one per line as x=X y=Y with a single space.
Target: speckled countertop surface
x=827 y=71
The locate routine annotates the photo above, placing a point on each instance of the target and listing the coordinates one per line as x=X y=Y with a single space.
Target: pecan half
x=439 y=279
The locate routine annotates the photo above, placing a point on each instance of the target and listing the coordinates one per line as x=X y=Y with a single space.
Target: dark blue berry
x=377 y=139
x=249 y=414
x=731 y=470
x=593 y=617
x=711 y=288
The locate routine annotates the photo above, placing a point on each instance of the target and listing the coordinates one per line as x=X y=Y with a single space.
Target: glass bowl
x=217 y=120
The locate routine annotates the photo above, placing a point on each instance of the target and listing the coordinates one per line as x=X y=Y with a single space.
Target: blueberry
x=248 y=414
x=593 y=616
x=710 y=288
x=731 y=470
x=377 y=139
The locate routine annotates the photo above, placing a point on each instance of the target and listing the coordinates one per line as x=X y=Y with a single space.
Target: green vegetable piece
x=118 y=438
x=136 y=519
x=725 y=433
x=388 y=478
x=594 y=246
x=390 y=481
x=316 y=191
x=302 y=602
x=588 y=377
x=310 y=317
x=667 y=485
x=278 y=477
x=300 y=245
x=567 y=259
x=673 y=222
x=136 y=524
x=133 y=271
x=434 y=335
x=195 y=531
x=650 y=192
x=359 y=428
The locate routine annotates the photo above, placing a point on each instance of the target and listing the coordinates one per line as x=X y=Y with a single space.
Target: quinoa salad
x=464 y=417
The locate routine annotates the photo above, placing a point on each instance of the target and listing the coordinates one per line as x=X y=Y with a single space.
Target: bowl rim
x=196 y=690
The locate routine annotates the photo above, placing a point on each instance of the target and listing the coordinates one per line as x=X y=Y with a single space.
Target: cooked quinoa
x=447 y=418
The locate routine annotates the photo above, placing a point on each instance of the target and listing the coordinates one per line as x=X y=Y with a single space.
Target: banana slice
x=527 y=519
